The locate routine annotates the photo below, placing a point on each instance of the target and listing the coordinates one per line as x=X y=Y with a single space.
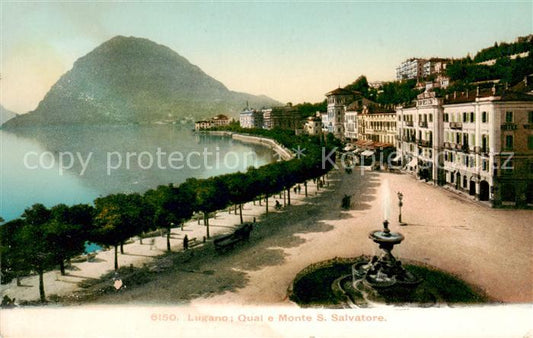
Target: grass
x=312 y=287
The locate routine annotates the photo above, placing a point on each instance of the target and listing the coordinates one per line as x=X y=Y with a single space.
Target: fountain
x=386 y=271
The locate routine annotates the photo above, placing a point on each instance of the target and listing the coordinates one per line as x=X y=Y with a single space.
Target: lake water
x=77 y=164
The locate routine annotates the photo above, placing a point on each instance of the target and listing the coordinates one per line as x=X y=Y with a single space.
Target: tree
x=170 y=205
x=240 y=189
x=34 y=243
x=68 y=230
x=117 y=218
x=210 y=195
x=360 y=85
x=11 y=251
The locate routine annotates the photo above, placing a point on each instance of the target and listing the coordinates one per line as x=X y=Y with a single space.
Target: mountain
x=134 y=80
x=5 y=115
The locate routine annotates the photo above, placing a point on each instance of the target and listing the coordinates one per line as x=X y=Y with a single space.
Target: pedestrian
x=185 y=242
x=299 y=189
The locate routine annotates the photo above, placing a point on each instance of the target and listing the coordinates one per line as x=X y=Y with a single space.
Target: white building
x=337 y=100
x=410 y=69
x=478 y=143
x=350 y=125
x=488 y=146
x=419 y=133
x=251 y=118
x=313 y=124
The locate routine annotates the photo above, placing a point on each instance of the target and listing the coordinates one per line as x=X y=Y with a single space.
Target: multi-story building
x=325 y=123
x=378 y=124
x=313 y=124
x=216 y=121
x=412 y=68
x=488 y=146
x=337 y=100
x=220 y=120
x=267 y=118
x=479 y=143
x=350 y=125
x=251 y=118
x=287 y=117
x=419 y=133
x=434 y=66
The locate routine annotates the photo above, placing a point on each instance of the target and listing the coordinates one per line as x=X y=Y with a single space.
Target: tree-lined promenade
x=44 y=238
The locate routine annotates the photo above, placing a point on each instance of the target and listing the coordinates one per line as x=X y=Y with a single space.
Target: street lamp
x=400 y=204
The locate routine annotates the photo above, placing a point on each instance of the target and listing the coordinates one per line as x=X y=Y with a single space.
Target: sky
x=290 y=51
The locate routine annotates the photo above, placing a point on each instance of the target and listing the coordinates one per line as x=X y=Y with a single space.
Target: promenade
x=488 y=248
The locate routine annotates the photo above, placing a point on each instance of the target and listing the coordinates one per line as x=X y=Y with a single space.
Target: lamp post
x=400 y=204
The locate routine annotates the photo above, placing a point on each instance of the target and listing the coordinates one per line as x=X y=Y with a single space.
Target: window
x=430 y=117
x=530 y=142
x=472 y=117
x=464 y=117
x=509 y=117
x=445 y=117
x=484 y=143
x=508 y=142
x=484 y=117
x=485 y=165
x=530 y=117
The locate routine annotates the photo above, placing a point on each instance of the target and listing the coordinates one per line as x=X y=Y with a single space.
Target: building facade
x=377 y=124
x=488 y=147
x=419 y=133
x=338 y=100
x=251 y=118
x=478 y=143
x=219 y=120
x=313 y=124
x=412 y=68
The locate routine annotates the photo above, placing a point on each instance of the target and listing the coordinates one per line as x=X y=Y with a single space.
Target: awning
x=367 y=153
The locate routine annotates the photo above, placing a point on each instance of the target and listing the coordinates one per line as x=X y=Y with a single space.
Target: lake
x=76 y=164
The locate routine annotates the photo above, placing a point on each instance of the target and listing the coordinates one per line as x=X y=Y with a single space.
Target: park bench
x=227 y=242
x=194 y=242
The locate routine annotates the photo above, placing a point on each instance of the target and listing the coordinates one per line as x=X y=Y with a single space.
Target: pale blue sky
x=289 y=51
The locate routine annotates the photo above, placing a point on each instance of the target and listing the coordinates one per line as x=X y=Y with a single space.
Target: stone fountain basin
x=379 y=236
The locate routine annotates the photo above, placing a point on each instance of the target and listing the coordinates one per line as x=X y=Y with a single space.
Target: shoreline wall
x=283 y=152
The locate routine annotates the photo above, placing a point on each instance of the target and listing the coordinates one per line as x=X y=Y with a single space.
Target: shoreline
x=55 y=283
x=283 y=152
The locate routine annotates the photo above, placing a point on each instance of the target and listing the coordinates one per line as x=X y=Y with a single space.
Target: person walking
x=185 y=242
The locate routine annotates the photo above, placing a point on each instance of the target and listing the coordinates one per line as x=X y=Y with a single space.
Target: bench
x=227 y=242
x=194 y=242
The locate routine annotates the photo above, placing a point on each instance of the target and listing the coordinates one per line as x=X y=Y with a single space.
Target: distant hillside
x=134 y=80
x=521 y=45
x=5 y=115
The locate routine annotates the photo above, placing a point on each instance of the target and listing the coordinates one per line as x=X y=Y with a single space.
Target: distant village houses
x=216 y=121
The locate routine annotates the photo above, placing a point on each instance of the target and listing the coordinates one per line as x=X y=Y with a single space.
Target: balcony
x=509 y=126
x=409 y=123
x=424 y=143
x=456 y=125
x=423 y=124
